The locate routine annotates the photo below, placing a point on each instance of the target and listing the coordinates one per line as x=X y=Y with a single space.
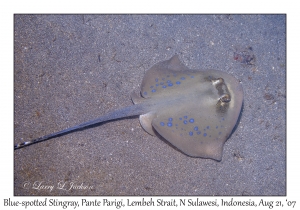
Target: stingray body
x=194 y=110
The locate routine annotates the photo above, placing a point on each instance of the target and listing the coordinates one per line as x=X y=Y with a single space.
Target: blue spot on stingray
x=207 y=127
x=162 y=123
x=216 y=127
x=157 y=85
x=170 y=84
x=204 y=134
x=161 y=83
x=223 y=118
x=185 y=117
x=170 y=119
x=182 y=78
x=180 y=118
x=153 y=90
x=192 y=76
x=192 y=120
x=163 y=86
x=177 y=82
x=185 y=121
x=156 y=80
x=199 y=132
x=196 y=128
x=145 y=93
x=191 y=133
x=168 y=81
x=169 y=124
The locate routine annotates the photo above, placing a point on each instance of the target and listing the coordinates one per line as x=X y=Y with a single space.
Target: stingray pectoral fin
x=146 y=122
x=158 y=78
x=199 y=134
x=136 y=98
x=192 y=146
x=175 y=64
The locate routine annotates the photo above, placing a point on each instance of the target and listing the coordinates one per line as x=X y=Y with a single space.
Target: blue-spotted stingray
x=194 y=110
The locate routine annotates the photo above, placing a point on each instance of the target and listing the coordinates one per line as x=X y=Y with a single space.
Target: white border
x=153 y=6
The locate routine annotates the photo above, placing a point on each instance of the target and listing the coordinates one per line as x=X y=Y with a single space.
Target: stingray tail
x=121 y=113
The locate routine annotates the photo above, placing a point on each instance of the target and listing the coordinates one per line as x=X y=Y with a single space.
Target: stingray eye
x=225 y=98
x=218 y=81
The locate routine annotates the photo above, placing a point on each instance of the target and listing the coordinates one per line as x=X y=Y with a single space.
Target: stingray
x=194 y=110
